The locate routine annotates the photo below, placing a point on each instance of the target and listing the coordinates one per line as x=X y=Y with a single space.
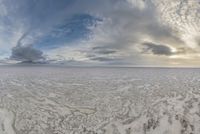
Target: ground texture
x=57 y=100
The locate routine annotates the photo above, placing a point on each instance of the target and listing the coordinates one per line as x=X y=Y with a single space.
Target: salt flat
x=60 y=100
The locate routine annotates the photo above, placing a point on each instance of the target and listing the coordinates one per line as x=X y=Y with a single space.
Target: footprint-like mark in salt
x=6 y=121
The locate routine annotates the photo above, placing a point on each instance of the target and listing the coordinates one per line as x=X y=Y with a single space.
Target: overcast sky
x=101 y=32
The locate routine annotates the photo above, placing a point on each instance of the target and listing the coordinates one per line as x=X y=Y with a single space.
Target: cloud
x=104 y=50
x=26 y=54
x=182 y=16
x=102 y=59
x=100 y=31
x=157 y=49
x=198 y=40
x=122 y=31
x=103 y=54
x=118 y=37
x=76 y=27
x=37 y=17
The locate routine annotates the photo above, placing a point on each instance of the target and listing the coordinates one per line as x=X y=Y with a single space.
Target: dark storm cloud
x=157 y=49
x=26 y=53
x=23 y=52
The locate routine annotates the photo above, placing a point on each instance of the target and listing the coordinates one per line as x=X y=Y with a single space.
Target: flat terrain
x=58 y=100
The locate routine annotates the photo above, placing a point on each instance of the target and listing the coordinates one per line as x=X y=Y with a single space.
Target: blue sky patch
x=75 y=28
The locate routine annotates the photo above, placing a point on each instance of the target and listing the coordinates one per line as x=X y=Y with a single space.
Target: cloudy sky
x=101 y=32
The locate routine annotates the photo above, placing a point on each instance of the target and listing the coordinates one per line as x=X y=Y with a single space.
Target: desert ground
x=73 y=100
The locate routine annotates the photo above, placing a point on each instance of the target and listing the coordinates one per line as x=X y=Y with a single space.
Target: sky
x=100 y=32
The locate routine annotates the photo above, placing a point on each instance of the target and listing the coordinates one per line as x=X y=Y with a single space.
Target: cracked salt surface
x=57 y=100
x=6 y=121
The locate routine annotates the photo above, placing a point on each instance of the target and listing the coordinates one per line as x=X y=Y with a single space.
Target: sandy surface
x=6 y=122
x=56 y=100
